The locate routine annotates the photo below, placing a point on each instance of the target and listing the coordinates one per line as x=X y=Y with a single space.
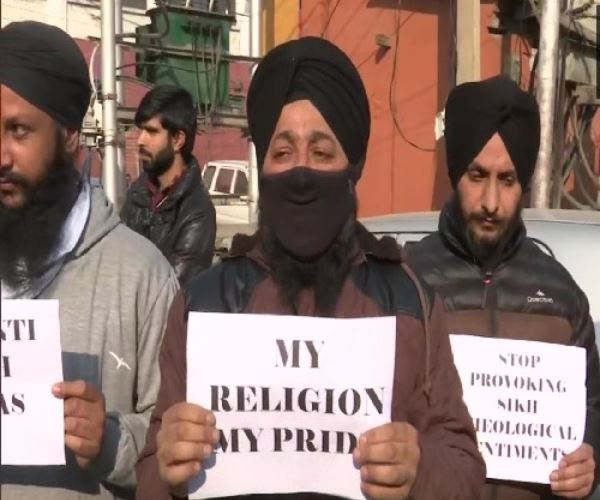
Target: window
x=207 y=176
x=241 y=184
x=135 y=4
x=224 y=178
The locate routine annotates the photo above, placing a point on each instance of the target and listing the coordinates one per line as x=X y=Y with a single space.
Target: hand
x=84 y=419
x=575 y=474
x=388 y=457
x=187 y=437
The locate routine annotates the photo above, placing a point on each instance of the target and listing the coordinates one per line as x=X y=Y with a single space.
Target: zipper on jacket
x=489 y=301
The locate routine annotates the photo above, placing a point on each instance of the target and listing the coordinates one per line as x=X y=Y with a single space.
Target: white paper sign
x=32 y=418
x=291 y=396
x=527 y=400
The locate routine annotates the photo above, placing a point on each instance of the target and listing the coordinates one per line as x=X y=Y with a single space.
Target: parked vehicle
x=227 y=184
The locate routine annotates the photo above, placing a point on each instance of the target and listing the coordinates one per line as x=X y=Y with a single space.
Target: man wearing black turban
x=309 y=117
x=61 y=240
x=495 y=281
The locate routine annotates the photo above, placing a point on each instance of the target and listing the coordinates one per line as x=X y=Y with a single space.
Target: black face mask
x=306 y=208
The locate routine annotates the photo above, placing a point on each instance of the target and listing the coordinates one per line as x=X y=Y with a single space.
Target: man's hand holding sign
x=84 y=419
x=575 y=474
x=388 y=457
x=187 y=438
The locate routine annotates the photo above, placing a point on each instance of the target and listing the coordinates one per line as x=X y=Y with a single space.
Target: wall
x=407 y=85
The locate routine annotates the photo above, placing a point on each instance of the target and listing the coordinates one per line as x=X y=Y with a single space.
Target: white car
x=227 y=184
x=572 y=236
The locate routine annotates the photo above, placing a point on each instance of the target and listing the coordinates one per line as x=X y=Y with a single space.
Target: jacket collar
x=187 y=182
x=385 y=249
x=452 y=233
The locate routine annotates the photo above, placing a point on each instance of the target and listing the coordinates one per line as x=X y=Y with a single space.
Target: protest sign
x=527 y=400
x=291 y=396
x=32 y=418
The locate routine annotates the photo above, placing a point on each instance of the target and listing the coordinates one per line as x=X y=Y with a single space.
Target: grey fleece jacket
x=114 y=295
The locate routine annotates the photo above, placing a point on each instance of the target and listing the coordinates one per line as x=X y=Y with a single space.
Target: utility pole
x=120 y=96
x=468 y=41
x=546 y=96
x=255 y=36
x=110 y=168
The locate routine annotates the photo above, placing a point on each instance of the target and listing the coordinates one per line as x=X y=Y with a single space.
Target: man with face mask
x=309 y=118
x=168 y=203
x=487 y=270
x=60 y=239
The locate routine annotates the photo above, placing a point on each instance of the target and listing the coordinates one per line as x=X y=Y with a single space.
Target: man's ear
x=71 y=141
x=178 y=140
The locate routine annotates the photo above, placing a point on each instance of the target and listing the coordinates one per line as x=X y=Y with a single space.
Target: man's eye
x=281 y=154
x=20 y=131
x=324 y=155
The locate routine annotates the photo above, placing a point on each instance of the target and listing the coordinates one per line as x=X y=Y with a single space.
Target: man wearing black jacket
x=168 y=204
x=496 y=282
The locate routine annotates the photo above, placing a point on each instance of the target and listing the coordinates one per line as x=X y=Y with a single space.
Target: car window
x=241 y=184
x=207 y=176
x=224 y=178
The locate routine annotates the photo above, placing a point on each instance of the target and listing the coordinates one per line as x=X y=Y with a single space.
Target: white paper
x=33 y=428
x=243 y=350
x=515 y=389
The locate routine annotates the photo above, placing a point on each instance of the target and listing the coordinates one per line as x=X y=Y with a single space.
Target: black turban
x=476 y=111
x=314 y=69
x=45 y=67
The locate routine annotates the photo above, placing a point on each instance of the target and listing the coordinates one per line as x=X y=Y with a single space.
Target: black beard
x=29 y=234
x=326 y=274
x=160 y=163
x=487 y=253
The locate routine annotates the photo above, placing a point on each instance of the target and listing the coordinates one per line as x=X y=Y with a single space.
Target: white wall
x=81 y=18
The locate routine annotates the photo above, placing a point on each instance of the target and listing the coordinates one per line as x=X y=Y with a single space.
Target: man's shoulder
x=395 y=287
x=539 y=261
x=224 y=287
x=138 y=253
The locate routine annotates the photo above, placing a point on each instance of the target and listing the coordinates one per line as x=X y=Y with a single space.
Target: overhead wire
x=392 y=89
x=329 y=17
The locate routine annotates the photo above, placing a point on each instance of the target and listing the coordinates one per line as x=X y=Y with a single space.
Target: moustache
x=8 y=176
x=483 y=217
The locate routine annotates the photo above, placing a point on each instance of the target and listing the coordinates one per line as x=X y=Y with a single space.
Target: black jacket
x=526 y=295
x=183 y=226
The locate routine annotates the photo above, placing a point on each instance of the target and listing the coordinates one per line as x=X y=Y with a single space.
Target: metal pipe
x=120 y=96
x=110 y=171
x=255 y=35
x=546 y=96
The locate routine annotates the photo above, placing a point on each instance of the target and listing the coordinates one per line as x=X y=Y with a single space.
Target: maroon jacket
x=427 y=390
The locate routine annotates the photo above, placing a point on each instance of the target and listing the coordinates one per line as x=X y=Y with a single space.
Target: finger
x=581 y=454
x=180 y=473
x=573 y=485
x=385 y=475
x=392 y=431
x=80 y=427
x=76 y=407
x=81 y=446
x=187 y=431
x=190 y=413
x=572 y=471
x=186 y=452
x=381 y=453
x=77 y=389
x=377 y=492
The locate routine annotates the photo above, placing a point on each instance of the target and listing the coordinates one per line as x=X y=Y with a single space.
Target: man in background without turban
x=309 y=117
x=60 y=239
x=496 y=282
